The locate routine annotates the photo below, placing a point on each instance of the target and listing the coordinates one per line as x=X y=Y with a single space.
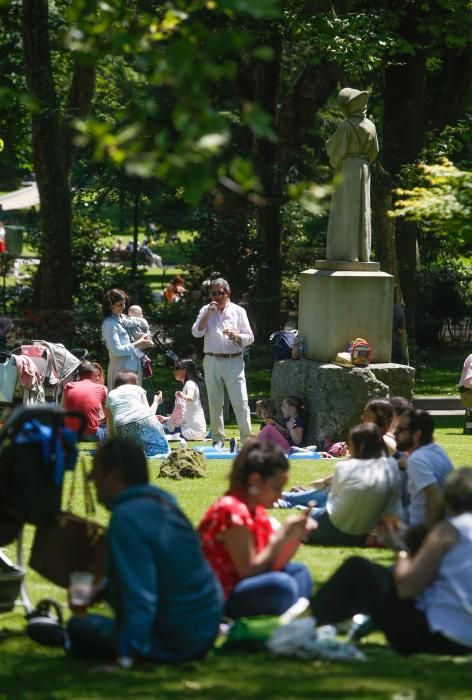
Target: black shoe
x=48 y=634
x=45 y=625
x=219 y=444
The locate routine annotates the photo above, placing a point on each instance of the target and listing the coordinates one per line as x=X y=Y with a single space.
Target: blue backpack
x=282 y=343
x=36 y=448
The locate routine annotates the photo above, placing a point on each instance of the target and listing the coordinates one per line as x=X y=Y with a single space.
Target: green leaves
x=260 y=9
x=181 y=59
x=442 y=201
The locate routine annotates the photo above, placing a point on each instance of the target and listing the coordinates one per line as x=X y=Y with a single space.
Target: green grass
x=29 y=671
x=438 y=370
x=172 y=253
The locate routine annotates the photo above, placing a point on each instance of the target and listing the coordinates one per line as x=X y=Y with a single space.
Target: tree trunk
x=404 y=120
x=48 y=159
x=383 y=227
x=52 y=152
x=267 y=301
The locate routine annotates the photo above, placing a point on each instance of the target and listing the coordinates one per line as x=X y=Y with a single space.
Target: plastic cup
x=80 y=591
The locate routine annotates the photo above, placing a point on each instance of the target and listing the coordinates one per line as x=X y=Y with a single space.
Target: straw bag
x=73 y=543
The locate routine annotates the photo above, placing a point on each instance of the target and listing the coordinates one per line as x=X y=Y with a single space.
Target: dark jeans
x=360 y=586
x=96 y=636
x=93 y=636
x=328 y=535
x=271 y=593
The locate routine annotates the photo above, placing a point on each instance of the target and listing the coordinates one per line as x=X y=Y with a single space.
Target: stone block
x=335 y=396
x=336 y=306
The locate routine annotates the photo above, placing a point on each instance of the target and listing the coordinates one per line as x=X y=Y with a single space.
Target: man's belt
x=223 y=354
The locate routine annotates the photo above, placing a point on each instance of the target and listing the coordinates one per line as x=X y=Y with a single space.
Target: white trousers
x=221 y=372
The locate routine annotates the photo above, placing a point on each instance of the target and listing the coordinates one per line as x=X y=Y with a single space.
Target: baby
x=135 y=323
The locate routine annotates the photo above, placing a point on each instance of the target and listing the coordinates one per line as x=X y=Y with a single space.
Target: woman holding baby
x=125 y=354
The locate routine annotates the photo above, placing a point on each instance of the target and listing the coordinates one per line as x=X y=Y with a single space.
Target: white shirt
x=233 y=317
x=362 y=491
x=447 y=601
x=427 y=465
x=466 y=376
x=128 y=403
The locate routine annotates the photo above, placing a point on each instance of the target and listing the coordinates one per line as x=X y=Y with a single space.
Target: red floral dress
x=228 y=511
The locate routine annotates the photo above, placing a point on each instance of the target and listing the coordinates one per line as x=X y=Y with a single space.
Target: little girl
x=192 y=423
x=293 y=432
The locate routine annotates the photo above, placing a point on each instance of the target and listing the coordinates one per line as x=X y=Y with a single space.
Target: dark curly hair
x=110 y=297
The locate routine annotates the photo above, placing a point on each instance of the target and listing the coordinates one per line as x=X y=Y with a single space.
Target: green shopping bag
x=250 y=632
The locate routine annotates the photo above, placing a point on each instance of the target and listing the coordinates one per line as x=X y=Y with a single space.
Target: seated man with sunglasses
x=226 y=331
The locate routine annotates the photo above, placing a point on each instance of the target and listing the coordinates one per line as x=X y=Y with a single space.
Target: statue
x=351 y=150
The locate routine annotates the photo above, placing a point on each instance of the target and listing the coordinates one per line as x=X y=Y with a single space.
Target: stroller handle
x=58 y=414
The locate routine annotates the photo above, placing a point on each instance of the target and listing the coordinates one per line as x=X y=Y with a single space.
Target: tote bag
x=72 y=543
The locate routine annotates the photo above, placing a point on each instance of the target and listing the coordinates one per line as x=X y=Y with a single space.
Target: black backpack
x=282 y=343
x=36 y=448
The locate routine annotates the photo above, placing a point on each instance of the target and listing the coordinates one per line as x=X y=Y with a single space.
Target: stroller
x=36 y=372
x=36 y=448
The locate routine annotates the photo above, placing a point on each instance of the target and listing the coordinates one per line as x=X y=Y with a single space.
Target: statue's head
x=353 y=103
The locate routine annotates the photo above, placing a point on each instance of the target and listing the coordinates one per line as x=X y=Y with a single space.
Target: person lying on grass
x=424 y=603
x=249 y=558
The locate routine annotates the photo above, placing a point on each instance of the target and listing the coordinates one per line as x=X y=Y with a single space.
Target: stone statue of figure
x=351 y=150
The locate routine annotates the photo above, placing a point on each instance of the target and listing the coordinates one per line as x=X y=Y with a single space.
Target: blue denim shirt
x=167 y=601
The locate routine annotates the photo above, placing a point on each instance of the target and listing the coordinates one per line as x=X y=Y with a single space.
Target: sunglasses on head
x=218 y=294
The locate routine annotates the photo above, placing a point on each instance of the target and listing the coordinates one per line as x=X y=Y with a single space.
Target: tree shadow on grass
x=30 y=671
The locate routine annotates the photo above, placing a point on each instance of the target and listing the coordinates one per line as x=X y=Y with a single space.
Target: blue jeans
x=97 y=636
x=302 y=498
x=271 y=593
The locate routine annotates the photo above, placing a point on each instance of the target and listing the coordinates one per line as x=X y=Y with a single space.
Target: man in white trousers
x=226 y=331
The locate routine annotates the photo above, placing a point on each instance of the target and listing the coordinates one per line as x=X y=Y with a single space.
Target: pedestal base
x=335 y=396
x=337 y=306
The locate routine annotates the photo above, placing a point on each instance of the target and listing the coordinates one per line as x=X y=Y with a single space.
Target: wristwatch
x=402 y=554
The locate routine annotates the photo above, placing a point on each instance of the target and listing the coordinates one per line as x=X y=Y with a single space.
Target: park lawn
x=172 y=252
x=30 y=671
x=438 y=371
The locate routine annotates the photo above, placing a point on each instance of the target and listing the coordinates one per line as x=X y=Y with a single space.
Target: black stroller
x=36 y=448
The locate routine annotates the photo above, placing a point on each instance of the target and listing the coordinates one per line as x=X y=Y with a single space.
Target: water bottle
x=301 y=340
x=183 y=442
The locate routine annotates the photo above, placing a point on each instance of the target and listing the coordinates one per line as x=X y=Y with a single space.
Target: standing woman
x=124 y=354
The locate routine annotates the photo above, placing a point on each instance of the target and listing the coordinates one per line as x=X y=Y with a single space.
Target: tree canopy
x=222 y=107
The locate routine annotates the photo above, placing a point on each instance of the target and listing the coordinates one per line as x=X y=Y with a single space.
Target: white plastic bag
x=301 y=639
x=8 y=377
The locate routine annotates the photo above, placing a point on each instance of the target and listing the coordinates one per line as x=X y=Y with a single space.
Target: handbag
x=146 y=364
x=72 y=543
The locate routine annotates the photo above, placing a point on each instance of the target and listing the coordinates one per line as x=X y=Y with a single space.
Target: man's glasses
x=217 y=294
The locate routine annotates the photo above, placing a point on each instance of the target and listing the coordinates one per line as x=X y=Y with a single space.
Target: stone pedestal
x=337 y=304
x=335 y=396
